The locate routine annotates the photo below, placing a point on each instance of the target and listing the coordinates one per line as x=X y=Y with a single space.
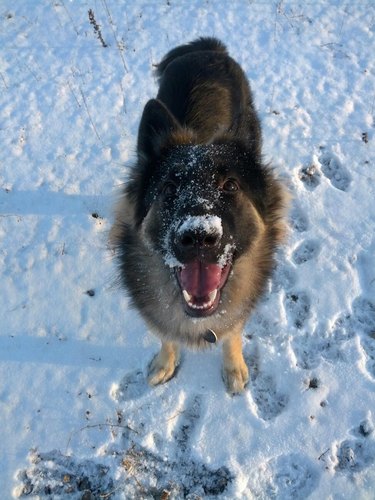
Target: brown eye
x=230 y=185
x=169 y=189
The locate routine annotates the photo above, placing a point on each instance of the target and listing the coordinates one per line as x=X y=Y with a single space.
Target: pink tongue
x=200 y=279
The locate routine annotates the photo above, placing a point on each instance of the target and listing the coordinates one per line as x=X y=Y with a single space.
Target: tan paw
x=162 y=368
x=236 y=378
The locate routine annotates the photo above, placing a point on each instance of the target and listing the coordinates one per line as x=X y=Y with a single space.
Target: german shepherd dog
x=200 y=218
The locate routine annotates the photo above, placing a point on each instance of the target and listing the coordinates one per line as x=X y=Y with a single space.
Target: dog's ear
x=157 y=124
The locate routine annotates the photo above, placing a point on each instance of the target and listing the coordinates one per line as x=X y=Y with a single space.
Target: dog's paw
x=161 y=369
x=236 y=377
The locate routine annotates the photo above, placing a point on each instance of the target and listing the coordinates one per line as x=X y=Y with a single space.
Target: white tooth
x=189 y=299
x=187 y=296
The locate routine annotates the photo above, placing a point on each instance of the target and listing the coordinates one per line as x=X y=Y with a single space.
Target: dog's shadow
x=200 y=370
x=48 y=203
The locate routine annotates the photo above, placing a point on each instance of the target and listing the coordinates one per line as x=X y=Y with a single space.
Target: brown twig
x=94 y=426
x=114 y=34
x=96 y=27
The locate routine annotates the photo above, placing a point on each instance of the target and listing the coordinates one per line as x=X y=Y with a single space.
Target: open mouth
x=201 y=284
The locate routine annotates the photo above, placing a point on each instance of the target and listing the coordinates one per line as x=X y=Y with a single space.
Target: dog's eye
x=169 y=189
x=230 y=185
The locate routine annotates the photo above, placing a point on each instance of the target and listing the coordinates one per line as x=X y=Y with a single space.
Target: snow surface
x=76 y=413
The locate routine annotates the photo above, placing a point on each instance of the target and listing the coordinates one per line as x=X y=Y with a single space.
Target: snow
x=210 y=224
x=76 y=412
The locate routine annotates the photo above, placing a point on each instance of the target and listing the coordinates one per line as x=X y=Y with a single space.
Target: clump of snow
x=208 y=224
x=170 y=260
x=227 y=254
x=205 y=203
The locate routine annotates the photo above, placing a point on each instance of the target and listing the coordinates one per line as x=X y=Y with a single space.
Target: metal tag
x=210 y=336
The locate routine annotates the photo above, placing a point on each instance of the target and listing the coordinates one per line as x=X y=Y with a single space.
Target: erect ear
x=157 y=123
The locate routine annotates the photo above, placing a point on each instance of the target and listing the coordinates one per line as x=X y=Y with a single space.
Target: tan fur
x=182 y=137
x=235 y=371
x=124 y=214
x=163 y=366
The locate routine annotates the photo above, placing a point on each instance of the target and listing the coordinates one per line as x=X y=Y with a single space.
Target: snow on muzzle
x=198 y=238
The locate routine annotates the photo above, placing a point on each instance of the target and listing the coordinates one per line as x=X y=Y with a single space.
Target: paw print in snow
x=270 y=403
x=335 y=172
x=310 y=176
x=356 y=454
x=132 y=386
x=293 y=477
x=307 y=250
x=297 y=305
x=298 y=219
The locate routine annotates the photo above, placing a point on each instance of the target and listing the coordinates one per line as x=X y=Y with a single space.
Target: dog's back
x=200 y=45
x=207 y=92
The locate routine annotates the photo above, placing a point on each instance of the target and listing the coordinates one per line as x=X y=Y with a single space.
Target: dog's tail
x=203 y=43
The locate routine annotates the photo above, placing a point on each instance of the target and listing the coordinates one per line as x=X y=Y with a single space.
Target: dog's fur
x=200 y=208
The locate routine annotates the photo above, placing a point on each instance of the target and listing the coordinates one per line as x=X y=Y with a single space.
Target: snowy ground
x=76 y=414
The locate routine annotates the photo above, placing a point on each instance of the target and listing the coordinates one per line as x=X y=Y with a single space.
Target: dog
x=200 y=218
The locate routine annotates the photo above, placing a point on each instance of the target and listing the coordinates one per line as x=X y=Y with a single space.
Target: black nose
x=199 y=239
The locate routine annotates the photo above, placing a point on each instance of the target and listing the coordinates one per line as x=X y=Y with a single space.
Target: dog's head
x=199 y=206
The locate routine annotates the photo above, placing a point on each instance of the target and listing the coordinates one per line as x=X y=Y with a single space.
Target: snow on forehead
x=191 y=156
x=210 y=224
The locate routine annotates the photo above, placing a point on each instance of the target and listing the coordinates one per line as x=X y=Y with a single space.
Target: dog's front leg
x=235 y=371
x=163 y=366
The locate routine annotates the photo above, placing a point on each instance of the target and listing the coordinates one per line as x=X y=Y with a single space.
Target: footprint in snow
x=297 y=305
x=287 y=477
x=307 y=352
x=310 y=350
x=368 y=346
x=342 y=329
x=356 y=454
x=364 y=316
x=270 y=403
x=132 y=386
x=327 y=342
x=334 y=171
x=310 y=176
x=284 y=277
x=307 y=250
x=363 y=323
x=187 y=423
x=298 y=219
